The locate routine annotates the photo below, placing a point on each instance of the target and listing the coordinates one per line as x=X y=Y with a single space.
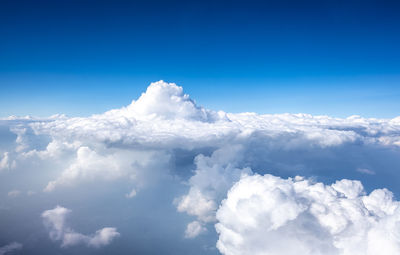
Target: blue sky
x=334 y=58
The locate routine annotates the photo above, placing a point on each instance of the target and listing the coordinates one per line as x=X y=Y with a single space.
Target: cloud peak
x=166 y=101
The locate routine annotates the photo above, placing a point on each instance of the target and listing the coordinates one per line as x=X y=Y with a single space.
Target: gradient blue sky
x=321 y=57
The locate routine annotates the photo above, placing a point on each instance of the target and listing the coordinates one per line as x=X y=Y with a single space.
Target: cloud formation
x=165 y=101
x=212 y=178
x=55 y=221
x=164 y=141
x=270 y=215
x=194 y=229
x=14 y=193
x=165 y=117
x=131 y=194
x=5 y=163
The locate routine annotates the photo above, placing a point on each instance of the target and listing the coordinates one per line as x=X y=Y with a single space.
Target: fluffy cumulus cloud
x=270 y=215
x=89 y=165
x=55 y=221
x=165 y=101
x=212 y=178
x=163 y=150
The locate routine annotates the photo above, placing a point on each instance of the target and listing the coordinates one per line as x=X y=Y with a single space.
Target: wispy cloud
x=9 y=248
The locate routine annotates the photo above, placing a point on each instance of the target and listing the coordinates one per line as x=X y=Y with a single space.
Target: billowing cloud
x=165 y=101
x=212 y=178
x=55 y=221
x=9 y=248
x=270 y=215
x=90 y=165
x=165 y=117
x=178 y=159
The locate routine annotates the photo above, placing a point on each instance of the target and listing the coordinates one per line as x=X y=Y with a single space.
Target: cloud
x=164 y=141
x=6 y=163
x=14 y=193
x=166 y=101
x=212 y=178
x=164 y=119
x=365 y=171
x=10 y=248
x=90 y=165
x=131 y=194
x=270 y=215
x=55 y=221
x=194 y=229
x=30 y=192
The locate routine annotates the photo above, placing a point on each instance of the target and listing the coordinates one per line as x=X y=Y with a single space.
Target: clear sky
x=321 y=57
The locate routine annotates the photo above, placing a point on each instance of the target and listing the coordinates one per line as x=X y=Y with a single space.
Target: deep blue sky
x=320 y=57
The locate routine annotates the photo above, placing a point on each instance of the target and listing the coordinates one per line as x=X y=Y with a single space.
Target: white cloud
x=14 y=193
x=55 y=221
x=194 y=229
x=7 y=249
x=6 y=163
x=213 y=177
x=166 y=101
x=131 y=194
x=90 y=165
x=165 y=117
x=270 y=215
x=113 y=145
x=30 y=192
x=365 y=171
x=54 y=149
x=164 y=133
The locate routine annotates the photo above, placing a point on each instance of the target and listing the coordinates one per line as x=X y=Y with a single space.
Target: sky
x=209 y=127
x=338 y=58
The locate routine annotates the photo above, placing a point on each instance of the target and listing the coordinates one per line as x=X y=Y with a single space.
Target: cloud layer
x=164 y=151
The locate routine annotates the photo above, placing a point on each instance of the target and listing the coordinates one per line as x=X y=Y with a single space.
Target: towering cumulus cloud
x=164 y=168
x=166 y=101
x=270 y=215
